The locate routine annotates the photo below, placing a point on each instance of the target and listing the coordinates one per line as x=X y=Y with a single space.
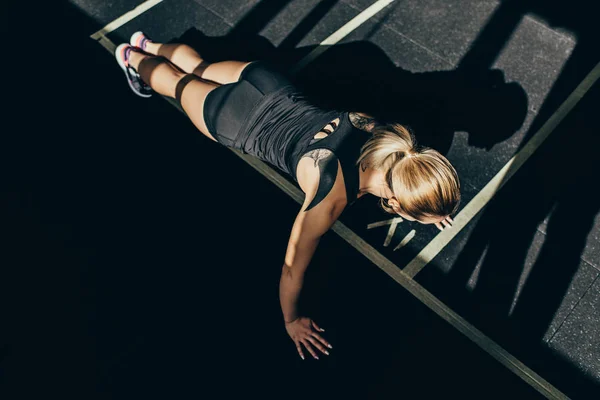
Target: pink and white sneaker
x=139 y=40
x=134 y=80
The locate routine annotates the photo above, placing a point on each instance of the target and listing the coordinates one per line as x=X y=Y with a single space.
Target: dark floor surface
x=130 y=270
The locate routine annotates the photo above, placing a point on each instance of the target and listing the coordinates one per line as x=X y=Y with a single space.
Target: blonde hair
x=422 y=180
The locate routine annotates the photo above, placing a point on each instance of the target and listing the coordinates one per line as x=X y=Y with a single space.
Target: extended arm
x=308 y=228
x=324 y=201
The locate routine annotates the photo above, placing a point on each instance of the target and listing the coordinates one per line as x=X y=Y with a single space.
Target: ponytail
x=422 y=180
x=389 y=145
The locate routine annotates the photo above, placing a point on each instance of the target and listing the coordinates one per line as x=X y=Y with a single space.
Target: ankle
x=150 y=47
x=134 y=57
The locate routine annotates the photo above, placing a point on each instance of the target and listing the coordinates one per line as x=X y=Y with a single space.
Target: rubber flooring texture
x=131 y=270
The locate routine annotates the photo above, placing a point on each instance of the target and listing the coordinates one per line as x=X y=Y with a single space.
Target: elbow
x=292 y=275
x=286 y=271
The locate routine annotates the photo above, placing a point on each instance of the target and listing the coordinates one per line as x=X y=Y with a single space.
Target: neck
x=372 y=181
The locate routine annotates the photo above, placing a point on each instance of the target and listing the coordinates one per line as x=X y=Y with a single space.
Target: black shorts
x=228 y=107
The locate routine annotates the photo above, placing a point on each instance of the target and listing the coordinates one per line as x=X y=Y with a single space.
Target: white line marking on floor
x=125 y=18
x=406 y=239
x=341 y=33
x=386 y=222
x=485 y=195
x=107 y=44
x=390 y=234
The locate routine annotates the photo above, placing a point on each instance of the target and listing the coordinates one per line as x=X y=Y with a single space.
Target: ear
x=392 y=202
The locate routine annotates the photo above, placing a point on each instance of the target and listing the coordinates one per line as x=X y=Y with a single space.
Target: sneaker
x=139 y=40
x=136 y=83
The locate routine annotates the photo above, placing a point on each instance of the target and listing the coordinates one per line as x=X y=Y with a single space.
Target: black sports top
x=345 y=142
x=280 y=128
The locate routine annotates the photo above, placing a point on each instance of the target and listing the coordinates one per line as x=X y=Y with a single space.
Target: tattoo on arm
x=328 y=167
x=361 y=122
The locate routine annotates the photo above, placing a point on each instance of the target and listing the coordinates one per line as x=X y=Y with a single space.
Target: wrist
x=290 y=320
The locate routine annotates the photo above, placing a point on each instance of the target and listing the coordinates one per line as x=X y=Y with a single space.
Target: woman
x=334 y=156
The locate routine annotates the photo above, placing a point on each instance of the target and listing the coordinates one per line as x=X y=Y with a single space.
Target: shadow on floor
x=123 y=275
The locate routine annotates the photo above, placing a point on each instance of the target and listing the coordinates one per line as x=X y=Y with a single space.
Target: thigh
x=223 y=72
x=260 y=74
x=193 y=97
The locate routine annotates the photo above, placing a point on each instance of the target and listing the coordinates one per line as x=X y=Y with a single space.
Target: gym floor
x=139 y=261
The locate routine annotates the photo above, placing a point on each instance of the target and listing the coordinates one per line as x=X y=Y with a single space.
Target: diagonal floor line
x=391 y=269
x=495 y=184
x=125 y=18
x=406 y=239
x=341 y=33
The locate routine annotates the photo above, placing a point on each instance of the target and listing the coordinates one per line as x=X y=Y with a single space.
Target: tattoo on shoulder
x=328 y=168
x=361 y=122
x=318 y=155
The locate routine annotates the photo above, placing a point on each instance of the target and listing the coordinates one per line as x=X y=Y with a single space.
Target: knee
x=160 y=75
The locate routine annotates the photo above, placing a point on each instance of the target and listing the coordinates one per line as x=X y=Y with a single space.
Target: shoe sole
x=119 y=56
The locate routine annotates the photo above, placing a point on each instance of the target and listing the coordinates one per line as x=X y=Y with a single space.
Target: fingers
x=306 y=344
x=317 y=344
x=317 y=326
x=445 y=223
x=299 y=348
x=305 y=336
x=320 y=339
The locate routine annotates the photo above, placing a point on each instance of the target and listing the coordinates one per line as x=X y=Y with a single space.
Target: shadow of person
x=246 y=47
x=434 y=105
x=359 y=76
